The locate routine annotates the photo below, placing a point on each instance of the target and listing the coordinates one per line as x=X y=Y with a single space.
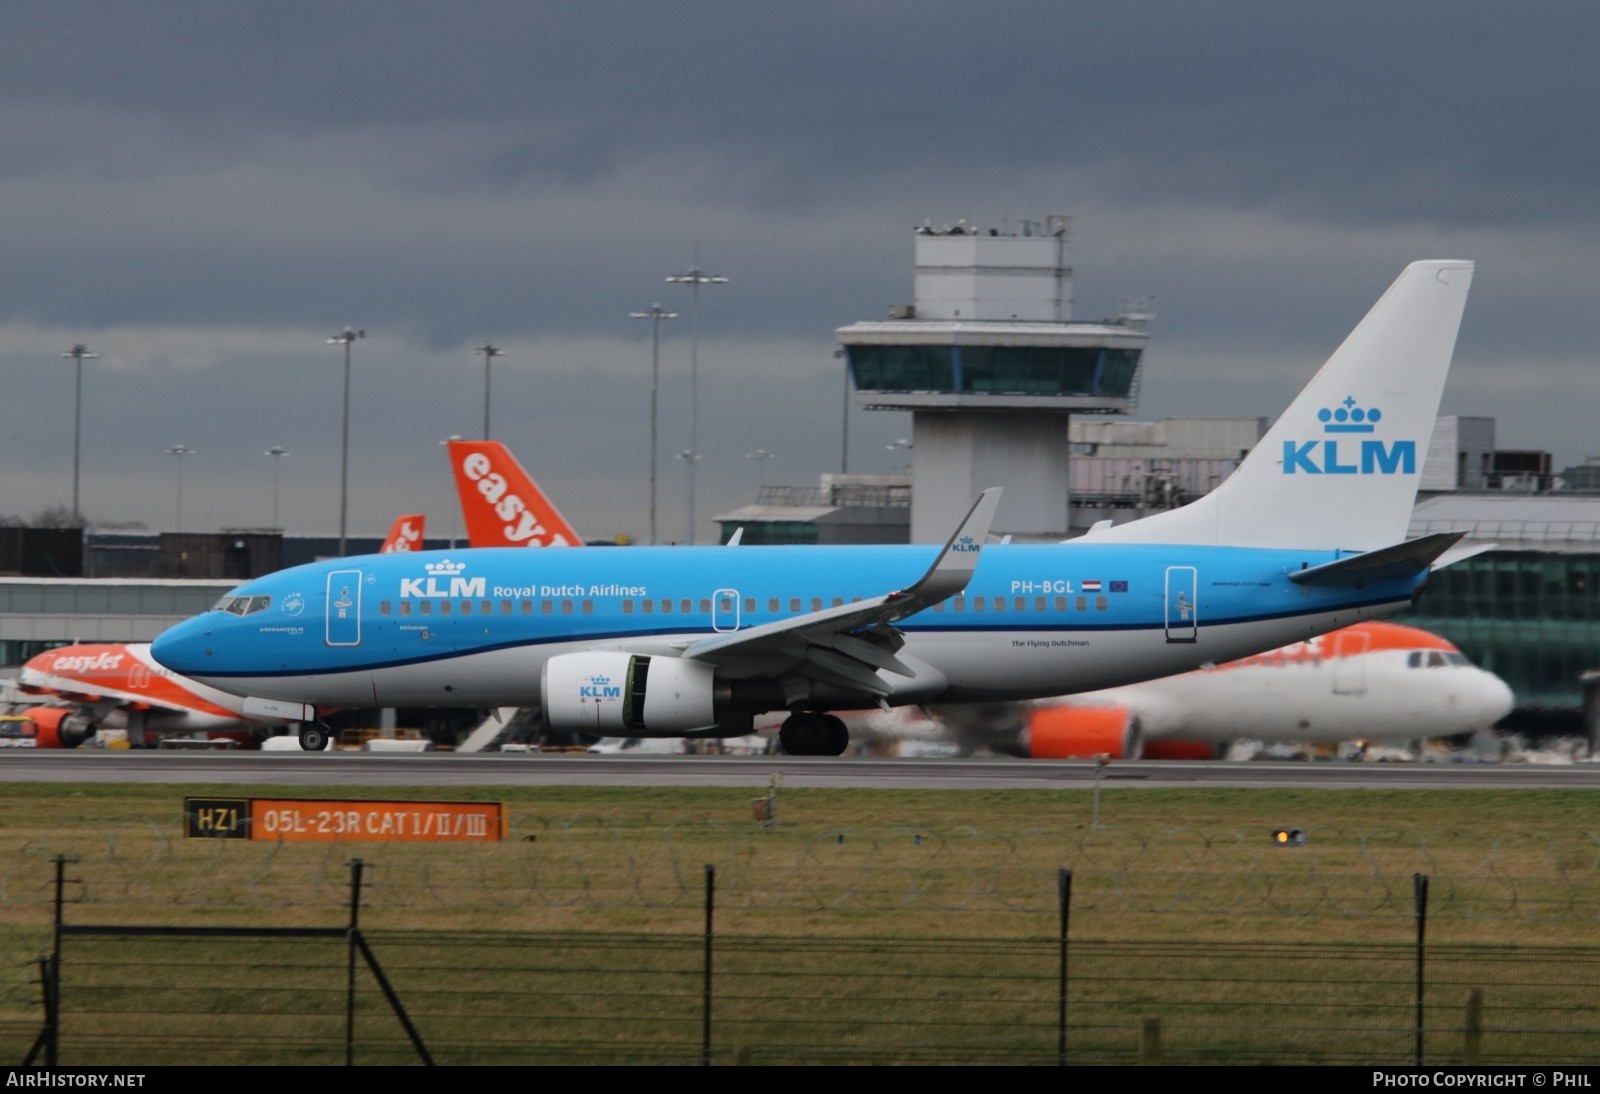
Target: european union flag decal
x=1119 y=586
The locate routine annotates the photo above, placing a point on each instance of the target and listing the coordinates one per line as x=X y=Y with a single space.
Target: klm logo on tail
x=1342 y=454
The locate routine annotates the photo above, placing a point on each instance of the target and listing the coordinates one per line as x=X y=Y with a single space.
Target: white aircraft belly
x=1042 y=664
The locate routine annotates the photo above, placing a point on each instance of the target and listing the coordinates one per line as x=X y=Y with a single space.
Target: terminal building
x=60 y=586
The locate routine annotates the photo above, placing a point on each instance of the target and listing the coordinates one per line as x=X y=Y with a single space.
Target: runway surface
x=532 y=769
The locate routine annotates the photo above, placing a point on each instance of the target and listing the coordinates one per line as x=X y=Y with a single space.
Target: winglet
x=502 y=505
x=954 y=567
x=843 y=629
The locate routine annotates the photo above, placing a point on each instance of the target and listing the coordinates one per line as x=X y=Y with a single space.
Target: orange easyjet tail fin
x=406 y=535
x=501 y=504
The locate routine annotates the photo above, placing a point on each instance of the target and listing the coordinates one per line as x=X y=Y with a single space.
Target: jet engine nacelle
x=1074 y=733
x=59 y=727
x=627 y=695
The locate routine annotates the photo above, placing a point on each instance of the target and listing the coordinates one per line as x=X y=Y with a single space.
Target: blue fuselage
x=475 y=627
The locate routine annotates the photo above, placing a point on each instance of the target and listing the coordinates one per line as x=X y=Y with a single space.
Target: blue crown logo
x=445 y=568
x=1349 y=418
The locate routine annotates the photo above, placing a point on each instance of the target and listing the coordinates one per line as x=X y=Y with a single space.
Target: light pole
x=844 y=447
x=77 y=353
x=277 y=452
x=694 y=277
x=345 y=338
x=178 y=452
x=656 y=314
x=689 y=457
x=455 y=510
x=489 y=354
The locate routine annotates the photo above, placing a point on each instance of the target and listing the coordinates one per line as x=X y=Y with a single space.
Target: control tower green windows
x=1025 y=370
x=902 y=368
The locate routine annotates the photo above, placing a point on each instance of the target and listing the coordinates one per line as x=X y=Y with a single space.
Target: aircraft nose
x=1494 y=697
x=184 y=647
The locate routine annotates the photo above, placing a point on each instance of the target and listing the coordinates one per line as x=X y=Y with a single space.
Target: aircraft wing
x=97 y=704
x=94 y=707
x=847 y=645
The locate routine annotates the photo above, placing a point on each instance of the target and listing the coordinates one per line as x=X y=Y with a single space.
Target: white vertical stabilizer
x=1340 y=468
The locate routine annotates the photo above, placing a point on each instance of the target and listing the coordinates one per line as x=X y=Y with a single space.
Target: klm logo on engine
x=599 y=687
x=1341 y=453
x=444 y=580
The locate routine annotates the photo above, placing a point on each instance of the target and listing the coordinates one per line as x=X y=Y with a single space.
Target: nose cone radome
x=1493 y=698
x=184 y=647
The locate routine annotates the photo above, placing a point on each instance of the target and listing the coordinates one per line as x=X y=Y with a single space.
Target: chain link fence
x=798 y=969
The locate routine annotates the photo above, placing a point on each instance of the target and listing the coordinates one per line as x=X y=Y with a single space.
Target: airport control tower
x=991 y=366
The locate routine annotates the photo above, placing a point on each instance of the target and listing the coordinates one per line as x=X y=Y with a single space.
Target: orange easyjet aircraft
x=116 y=685
x=501 y=504
x=1374 y=681
x=406 y=535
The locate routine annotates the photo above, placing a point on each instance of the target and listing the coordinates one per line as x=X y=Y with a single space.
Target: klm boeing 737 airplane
x=1307 y=536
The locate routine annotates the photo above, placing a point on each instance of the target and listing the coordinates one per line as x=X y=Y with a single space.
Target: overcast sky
x=204 y=193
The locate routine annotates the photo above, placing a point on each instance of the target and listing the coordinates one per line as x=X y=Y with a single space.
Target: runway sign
x=317 y=820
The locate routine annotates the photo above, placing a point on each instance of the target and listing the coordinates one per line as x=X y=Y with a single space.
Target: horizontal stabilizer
x=1394 y=563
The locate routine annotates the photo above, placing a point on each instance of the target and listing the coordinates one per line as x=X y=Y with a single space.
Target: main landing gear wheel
x=810 y=733
x=313 y=738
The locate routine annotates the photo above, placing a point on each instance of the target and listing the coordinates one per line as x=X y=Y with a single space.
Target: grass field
x=1190 y=869
x=1161 y=863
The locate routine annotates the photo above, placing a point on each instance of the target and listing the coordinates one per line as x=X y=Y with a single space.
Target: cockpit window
x=1437 y=659
x=244 y=605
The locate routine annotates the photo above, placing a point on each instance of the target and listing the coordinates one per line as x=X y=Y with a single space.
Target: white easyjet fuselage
x=1370 y=682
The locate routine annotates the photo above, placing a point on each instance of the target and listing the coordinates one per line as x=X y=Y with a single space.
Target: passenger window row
x=487 y=607
x=245 y=605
